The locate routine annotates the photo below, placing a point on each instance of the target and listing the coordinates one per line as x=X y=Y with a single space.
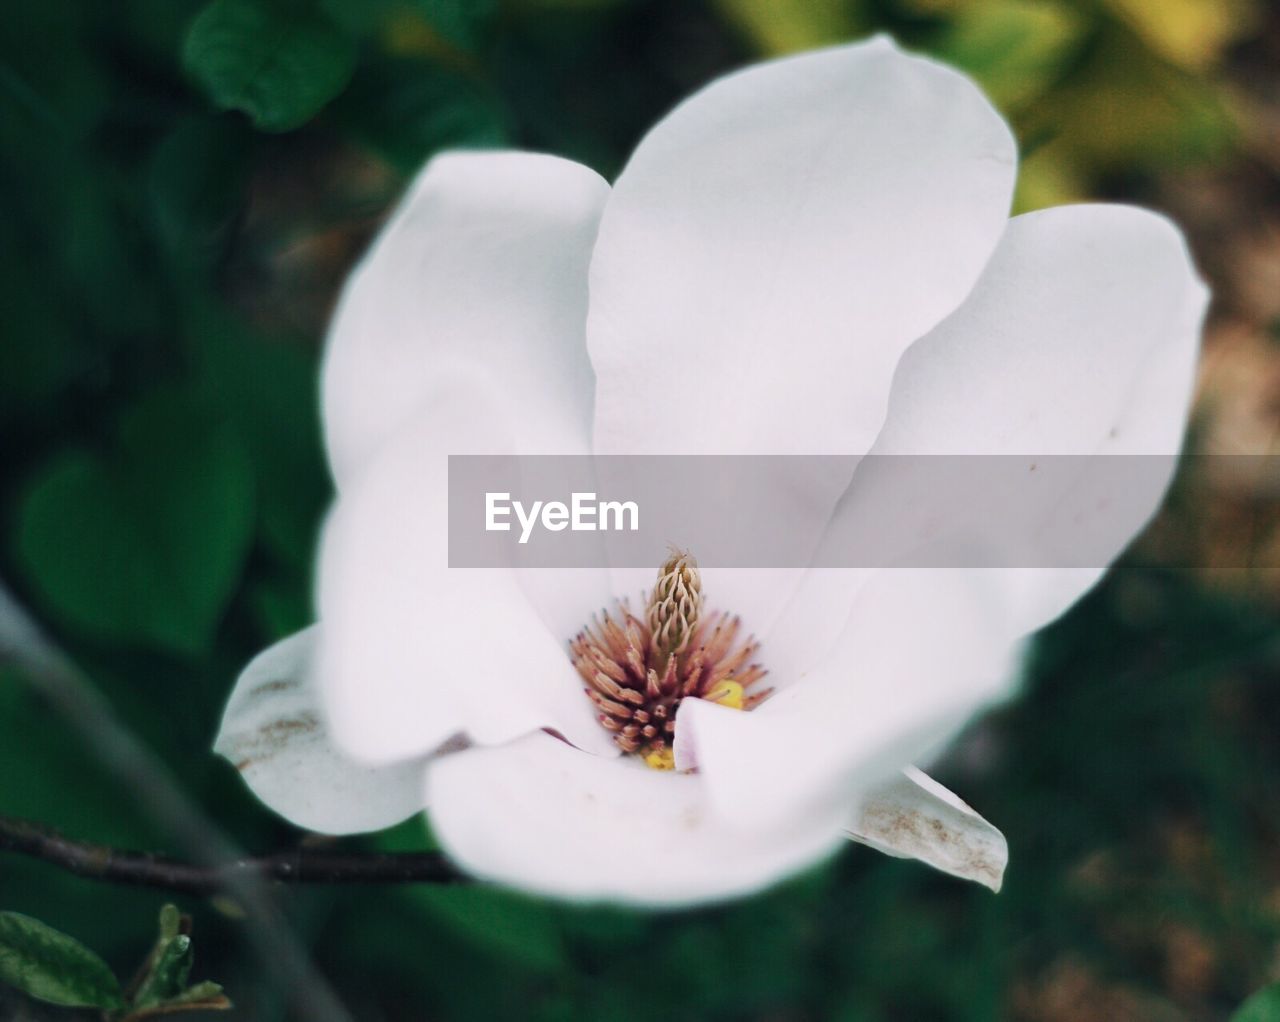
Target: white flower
x=813 y=255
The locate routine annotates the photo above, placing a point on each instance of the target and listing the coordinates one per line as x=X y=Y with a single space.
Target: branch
x=300 y=866
x=51 y=673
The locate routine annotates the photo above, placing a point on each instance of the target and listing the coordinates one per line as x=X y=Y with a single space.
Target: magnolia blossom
x=810 y=256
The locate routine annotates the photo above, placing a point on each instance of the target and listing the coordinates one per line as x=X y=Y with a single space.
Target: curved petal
x=912 y=816
x=414 y=651
x=770 y=250
x=922 y=652
x=542 y=816
x=482 y=268
x=1078 y=306
x=481 y=271
x=272 y=732
x=778 y=240
x=1080 y=339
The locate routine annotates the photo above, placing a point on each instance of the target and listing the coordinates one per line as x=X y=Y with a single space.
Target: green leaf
x=161 y=987
x=168 y=967
x=170 y=922
x=203 y=993
x=1264 y=1006
x=146 y=540
x=50 y=966
x=277 y=63
x=1015 y=48
x=407 y=109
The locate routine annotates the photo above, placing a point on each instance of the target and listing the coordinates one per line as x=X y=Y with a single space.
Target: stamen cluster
x=638 y=670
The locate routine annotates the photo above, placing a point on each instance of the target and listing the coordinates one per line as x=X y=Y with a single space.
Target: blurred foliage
x=1264 y=1006
x=184 y=186
x=167 y=531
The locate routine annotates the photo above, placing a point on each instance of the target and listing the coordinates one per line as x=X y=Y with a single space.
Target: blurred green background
x=184 y=185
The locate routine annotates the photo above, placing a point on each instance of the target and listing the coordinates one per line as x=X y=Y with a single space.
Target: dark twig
x=53 y=674
x=299 y=866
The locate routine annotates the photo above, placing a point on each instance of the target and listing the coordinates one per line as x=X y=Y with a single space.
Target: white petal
x=768 y=253
x=809 y=622
x=482 y=269
x=413 y=651
x=912 y=816
x=923 y=650
x=778 y=240
x=273 y=733
x=1081 y=338
x=542 y=816
x=1078 y=306
x=481 y=273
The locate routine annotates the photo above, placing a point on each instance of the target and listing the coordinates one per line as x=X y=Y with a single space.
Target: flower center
x=638 y=670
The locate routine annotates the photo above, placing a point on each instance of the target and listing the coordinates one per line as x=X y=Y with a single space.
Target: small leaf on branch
x=163 y=975
x=50 y=966
x=161 y=985
x=201 y=997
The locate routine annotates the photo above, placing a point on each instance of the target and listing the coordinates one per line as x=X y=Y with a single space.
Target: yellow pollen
x=661 y=759
x=726 y=693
